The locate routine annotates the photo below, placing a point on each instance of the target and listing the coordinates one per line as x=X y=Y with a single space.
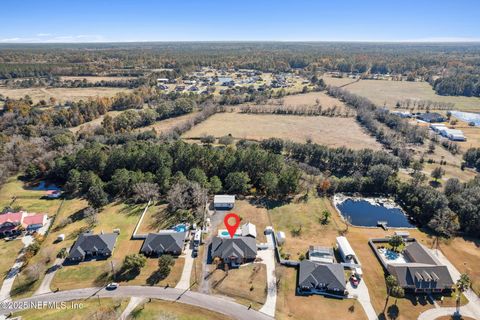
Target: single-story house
x=321 y=254
x=234 y=251
x=318 y=278
x=422 y=272
x=164 y=243
x=92 y=245
x=223 y=202
x=34 y=222
x=431 y=117
x=11 y=221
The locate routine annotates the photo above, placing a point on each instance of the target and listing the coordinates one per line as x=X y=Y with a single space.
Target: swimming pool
x=180 y=228
x=392 y=256
x=367 y=213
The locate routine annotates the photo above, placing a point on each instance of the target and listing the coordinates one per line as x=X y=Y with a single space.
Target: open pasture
x=389 y=92
x=333 y=132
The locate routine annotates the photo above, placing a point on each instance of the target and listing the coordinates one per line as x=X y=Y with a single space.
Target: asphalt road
x=218 y=304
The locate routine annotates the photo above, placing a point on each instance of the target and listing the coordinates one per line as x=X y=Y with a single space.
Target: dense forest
x=451 y=68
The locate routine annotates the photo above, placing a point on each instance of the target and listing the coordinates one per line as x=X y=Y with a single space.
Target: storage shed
x=345 y=249
x=223 y=202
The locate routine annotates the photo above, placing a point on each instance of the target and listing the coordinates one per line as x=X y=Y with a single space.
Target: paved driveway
x=184 y=282
x=268 y=258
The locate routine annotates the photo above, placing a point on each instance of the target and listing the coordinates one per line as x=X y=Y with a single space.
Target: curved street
x=213 y=303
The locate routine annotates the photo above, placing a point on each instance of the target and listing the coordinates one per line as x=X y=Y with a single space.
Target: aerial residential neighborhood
x=251 y=160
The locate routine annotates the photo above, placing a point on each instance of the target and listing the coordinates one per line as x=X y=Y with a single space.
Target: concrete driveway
x=184 y=282
x=268 y=258
x=361 y=294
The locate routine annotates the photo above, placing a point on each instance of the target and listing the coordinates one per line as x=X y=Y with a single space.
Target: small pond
x=367 y=213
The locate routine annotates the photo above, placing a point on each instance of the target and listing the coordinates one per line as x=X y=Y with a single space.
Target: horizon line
x=426 y=41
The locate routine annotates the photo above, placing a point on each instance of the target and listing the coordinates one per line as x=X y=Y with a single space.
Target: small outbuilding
x=345 y=249
x=249 y=230
x=223 y=202
x=281 y=238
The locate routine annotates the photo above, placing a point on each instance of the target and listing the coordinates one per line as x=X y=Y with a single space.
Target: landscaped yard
x=158 y=309
x=330 y=131
x=247 y=284
x=79 y=310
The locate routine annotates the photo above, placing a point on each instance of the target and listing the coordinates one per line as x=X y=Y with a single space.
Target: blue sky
x=185 y=20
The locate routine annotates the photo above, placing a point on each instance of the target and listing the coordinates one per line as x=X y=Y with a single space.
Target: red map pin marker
x=232 y=228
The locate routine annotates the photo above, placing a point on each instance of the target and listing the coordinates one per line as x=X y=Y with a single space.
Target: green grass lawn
x=8 y=253
x=158 y=309
x=306 y=217
x=79 y=310
x=26 y=199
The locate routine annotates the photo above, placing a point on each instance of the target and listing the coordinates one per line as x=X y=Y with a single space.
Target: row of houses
x=13 y=223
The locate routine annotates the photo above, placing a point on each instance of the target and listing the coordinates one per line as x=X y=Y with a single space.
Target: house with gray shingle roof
x=90 y=245
x=319 y=278
x=234 y=251
x=423 y=272
x=170 y=242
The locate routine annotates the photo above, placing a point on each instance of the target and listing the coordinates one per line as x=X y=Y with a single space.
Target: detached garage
x=223 y=202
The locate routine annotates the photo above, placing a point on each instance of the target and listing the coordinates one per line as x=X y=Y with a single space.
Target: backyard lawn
x=302 y=225
x=26 y=198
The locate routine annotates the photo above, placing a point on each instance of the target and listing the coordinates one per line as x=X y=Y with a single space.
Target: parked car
x=354 y=280
x=112 y=286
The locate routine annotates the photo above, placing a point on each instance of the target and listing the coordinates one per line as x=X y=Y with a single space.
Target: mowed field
x=61 y=94
x=311 y=98
x=381 y=91
x=333 y=132
x=93 y=79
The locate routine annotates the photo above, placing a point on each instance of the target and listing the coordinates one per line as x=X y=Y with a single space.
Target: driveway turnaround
x=213 y=303
x=471 y=309
x=268 y=257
